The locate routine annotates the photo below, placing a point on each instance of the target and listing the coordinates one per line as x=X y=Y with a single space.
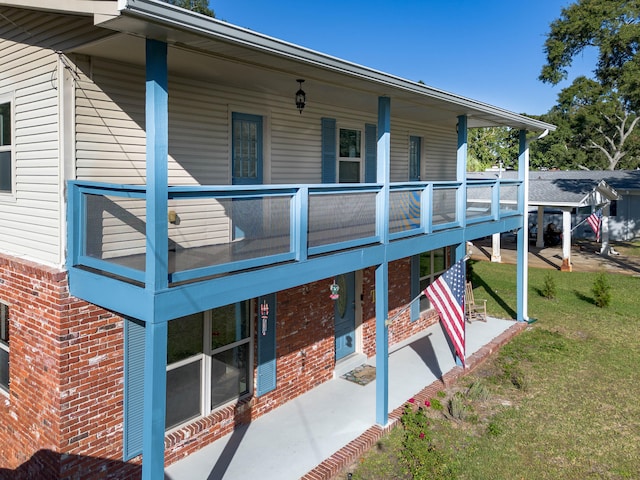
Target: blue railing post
x=495 y=200
x=300 y=223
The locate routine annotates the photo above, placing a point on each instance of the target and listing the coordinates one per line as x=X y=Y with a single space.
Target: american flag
x=446 y=294
x=595 y=220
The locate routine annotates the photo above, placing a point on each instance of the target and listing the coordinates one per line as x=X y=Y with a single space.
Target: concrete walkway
x=319 y=433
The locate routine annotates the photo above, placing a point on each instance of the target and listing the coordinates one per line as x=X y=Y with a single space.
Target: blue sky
x=488 y=50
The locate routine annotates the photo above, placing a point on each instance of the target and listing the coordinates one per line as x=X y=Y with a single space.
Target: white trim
x=206 y=408
x=361 y=158
x=11 y=148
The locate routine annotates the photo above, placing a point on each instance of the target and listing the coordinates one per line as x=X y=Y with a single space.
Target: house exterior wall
x=111 y=138
x=66 y=378
x=64 y=410
x=31 y=216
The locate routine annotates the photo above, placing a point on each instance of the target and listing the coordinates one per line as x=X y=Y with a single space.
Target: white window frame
x=432 y=276
x=360 y=159
x=4 y=312
x=205 y=372
x=9 y=98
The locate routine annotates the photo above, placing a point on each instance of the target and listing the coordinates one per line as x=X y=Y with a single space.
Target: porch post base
x=566 y=265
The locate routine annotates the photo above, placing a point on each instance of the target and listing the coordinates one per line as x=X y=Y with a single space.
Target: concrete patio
x=318 y=434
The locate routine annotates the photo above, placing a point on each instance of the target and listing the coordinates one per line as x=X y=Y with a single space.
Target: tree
x=595 y=131
x=492 y=146
x=611 y=26
x=596 y=118
x=198 y=6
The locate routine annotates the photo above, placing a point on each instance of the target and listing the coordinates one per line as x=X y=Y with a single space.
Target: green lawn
x=560 y=401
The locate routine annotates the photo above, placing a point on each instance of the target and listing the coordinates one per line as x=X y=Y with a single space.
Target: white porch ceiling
x=221 y=53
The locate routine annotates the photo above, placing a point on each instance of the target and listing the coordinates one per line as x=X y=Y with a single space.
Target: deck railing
x=215 y=230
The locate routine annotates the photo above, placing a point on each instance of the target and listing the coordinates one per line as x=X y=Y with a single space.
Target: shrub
x=601 y=290
x=549 y=287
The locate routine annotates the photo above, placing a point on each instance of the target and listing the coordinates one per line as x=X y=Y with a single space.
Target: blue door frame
x=345 y=315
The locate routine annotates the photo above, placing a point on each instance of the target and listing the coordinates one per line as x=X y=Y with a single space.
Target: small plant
x=601 y=290
x=478 y=391
x=549 y=290
x=436 y=404
x=441 y=394
x=459 y=408
x=494 y=429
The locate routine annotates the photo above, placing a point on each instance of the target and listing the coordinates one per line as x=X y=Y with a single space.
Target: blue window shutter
x=266 y=344
x=370 y=153
x=415 y=287
x=329 y=152
x=133 y=387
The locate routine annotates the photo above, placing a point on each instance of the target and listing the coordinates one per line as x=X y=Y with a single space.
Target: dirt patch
x=585 y=256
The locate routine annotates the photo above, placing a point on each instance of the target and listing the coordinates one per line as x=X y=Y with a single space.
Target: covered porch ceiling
x=218 y=52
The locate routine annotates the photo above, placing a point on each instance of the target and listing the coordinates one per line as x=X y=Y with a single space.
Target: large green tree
x=610 y=26
x=595 y=130
x=198 y=6
x=596 y=118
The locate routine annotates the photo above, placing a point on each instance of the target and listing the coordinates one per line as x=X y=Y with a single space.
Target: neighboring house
x=549 y=188
x=171 y=222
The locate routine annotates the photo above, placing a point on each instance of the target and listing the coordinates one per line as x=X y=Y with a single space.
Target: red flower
x=412 y=400
x=421 y=435
x=427 y=403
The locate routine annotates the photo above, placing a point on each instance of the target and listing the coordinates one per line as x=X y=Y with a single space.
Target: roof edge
x=176 y=18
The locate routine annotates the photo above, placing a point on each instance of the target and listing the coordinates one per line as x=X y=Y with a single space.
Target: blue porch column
x=156 y=273
x=522 y=270
x=382 y=271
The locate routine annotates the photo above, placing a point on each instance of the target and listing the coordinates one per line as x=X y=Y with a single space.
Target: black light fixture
x=301 y=97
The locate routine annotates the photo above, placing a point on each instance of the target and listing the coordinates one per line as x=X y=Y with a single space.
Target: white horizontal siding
x=31 y=219
x=440 y=147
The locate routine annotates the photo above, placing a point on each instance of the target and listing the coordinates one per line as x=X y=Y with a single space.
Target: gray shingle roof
x=570 y=187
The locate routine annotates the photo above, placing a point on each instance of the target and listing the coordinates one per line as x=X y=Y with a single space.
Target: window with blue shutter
x=370 y=153
x=266 y=344
x=329 y=150
x=133 y=387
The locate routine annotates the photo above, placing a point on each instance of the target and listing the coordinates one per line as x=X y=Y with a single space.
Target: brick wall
x=63 y=415
x=402 y=327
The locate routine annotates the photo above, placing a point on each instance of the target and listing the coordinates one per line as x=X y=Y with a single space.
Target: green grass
x=561 y=400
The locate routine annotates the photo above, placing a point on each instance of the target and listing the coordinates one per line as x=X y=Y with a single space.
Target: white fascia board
x=557 y=204
x=181 y=20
